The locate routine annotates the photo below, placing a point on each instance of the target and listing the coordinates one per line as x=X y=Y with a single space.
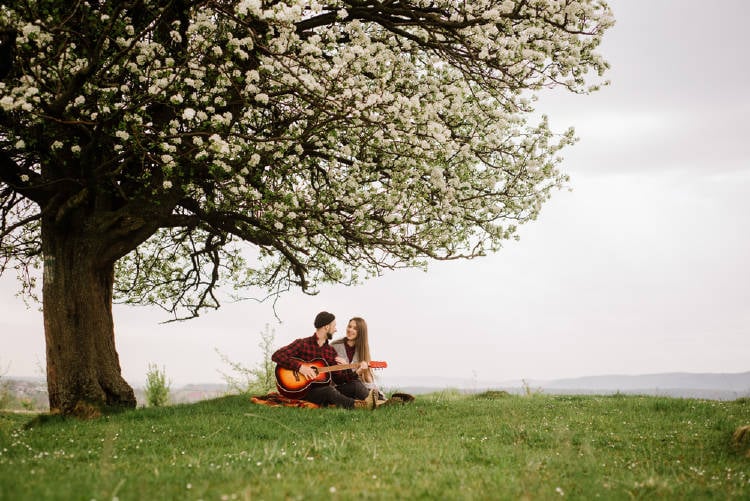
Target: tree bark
x=83 y=369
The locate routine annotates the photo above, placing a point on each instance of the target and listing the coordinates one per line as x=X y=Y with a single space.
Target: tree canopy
x=152 y=150
x=338 y=138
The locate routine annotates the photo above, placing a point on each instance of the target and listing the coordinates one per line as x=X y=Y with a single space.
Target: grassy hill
x=445 y=445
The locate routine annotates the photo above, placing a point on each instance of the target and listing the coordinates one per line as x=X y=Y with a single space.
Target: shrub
x=5 y=396
x=157 y=387
x=258 y=380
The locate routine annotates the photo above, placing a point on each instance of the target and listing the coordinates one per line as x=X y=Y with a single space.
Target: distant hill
x=31 y=393
x=739 y=383
x=679 y=384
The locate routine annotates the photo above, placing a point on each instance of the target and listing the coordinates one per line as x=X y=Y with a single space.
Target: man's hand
x=308 y=371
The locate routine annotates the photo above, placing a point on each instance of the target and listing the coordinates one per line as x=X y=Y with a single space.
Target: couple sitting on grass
x=353 y=388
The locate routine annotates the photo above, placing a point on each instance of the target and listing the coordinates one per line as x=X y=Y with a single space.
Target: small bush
x=5 y=396
x=157 y=387
x=492 y=395
x=259 y=380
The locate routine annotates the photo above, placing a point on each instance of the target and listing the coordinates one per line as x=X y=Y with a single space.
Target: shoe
x=368 y=403
x=403 y=398
x=390 y=402
x=397 y=399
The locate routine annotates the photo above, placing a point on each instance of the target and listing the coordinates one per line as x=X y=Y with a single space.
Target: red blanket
x=277 y=400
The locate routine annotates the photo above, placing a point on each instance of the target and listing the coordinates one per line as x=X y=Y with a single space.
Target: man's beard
x=329 y=335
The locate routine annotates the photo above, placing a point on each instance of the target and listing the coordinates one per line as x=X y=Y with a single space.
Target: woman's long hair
x=361 y=345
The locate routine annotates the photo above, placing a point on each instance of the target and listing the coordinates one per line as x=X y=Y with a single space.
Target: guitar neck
x=339 y=367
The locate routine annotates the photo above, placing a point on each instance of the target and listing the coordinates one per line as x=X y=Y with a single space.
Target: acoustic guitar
x=292 y=384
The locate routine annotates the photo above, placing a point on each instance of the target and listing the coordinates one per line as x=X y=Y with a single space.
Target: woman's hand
x=361 y=370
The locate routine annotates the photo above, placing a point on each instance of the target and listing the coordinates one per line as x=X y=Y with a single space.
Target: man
x=345 y=389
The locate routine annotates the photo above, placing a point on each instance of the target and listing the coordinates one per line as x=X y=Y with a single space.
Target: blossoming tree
x=151 y=150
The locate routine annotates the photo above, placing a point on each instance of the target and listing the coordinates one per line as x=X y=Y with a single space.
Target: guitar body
x=292 y=384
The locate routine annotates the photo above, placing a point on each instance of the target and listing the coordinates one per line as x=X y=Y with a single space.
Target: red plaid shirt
x=307 y=349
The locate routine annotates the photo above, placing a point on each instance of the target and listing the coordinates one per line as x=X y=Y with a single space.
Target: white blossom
x=252 y=7
x=7 y=103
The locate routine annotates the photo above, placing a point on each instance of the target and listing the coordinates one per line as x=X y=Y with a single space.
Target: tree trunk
x=83 y=368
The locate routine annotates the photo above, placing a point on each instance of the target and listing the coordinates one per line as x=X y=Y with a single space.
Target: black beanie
x=324 y=318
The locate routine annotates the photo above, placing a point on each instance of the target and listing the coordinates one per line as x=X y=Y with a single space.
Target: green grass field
x=443 y=446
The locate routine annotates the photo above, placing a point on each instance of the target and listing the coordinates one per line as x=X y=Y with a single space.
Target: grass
x=443 y=446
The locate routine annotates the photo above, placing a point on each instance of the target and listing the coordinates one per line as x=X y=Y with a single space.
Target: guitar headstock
x=377 y=365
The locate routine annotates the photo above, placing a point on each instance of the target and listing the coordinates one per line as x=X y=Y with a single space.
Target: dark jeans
x=342 y=395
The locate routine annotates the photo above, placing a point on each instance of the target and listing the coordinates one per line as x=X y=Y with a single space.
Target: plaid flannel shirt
x=307 y=349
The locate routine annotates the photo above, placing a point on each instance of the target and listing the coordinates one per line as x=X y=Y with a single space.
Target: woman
x=355 y=348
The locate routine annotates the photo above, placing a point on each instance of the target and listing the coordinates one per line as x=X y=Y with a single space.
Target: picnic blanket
x=275 y=399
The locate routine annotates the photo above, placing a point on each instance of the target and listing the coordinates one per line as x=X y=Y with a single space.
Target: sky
x=641 y=268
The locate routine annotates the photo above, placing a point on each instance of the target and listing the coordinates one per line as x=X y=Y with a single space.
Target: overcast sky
x=641 y=268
